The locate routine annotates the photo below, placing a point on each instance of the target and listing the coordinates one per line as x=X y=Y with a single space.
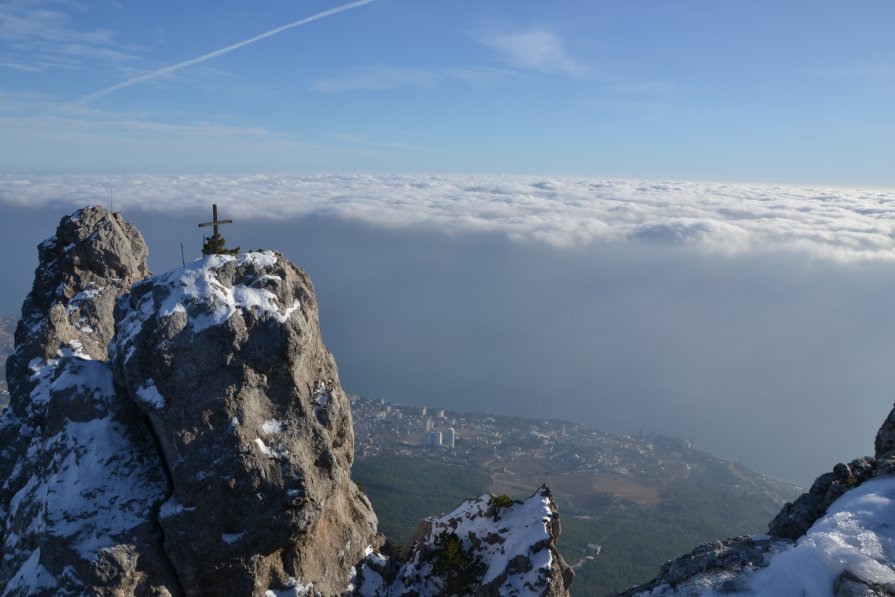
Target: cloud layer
x=826 y=223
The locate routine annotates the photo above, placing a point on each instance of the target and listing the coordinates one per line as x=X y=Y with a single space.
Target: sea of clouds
x=827 y=223
x=754 y=319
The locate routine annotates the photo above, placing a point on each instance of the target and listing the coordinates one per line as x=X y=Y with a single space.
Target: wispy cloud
x=533 y=50
x=220 y=52
x=829 y=224
x=536 y=49
x=39 y=37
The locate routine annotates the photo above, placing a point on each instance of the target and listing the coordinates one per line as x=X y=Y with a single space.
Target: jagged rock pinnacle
x=225 y=358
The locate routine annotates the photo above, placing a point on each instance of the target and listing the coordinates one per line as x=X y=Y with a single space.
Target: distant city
x=489 y=441
x=504 y=446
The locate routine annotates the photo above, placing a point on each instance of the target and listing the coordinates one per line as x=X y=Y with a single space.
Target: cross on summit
x=216 y=245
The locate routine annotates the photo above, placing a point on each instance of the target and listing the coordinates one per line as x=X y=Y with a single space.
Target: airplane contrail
x=174 y=67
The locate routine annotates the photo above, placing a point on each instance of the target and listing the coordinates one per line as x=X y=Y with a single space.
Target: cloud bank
x=826 y=223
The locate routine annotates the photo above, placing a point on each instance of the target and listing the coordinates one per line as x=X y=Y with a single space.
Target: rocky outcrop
x=718 y=566
x=93 y=258
x=487 y=547
x=224 y=356
x=726 y=567
x=79 y=466
x=795 y=518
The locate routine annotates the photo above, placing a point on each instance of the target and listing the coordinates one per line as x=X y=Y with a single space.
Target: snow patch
x=294 y=588
x=271 y=427
x=173 y=507
x=268 y=451
x=231 y=538
x=74 y=348
x=262 y=258
x=77 y=300
x=196 y=291
x=31 y=578
x=857 y=534
x=150 y=395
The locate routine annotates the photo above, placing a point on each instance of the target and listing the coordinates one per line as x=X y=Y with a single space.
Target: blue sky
x=763 y=91
x=529 y=199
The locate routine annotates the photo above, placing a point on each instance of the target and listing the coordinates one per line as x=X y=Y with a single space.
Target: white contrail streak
x=175 y=67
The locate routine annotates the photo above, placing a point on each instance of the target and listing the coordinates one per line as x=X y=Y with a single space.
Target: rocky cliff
x=187 y=434
x=837 y=540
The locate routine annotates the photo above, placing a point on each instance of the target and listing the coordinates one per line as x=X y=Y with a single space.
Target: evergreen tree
x=216 y=245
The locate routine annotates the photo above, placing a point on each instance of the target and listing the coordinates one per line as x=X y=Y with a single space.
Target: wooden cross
x=216 y=237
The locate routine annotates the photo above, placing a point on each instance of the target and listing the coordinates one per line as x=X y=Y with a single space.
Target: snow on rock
x=837 y=539
x=857 y=535
x=91 y=475
x=94 y=257
x=853 y=543
x=224 y=357
x=294 y=588
x=150 y=396
x=507 y=550
x=209 y=291
x=271 y=427
x=78 y=466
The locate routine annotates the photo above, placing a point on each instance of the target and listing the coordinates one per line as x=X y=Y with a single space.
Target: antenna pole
x=182 y=258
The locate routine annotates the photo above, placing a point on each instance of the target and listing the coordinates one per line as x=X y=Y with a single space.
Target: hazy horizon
x=764 y=339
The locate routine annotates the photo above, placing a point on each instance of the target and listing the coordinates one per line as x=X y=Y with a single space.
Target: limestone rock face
x=224 y=356
x=79 y=468
x=94 y=258
x=482 y=548
x=81 y=523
